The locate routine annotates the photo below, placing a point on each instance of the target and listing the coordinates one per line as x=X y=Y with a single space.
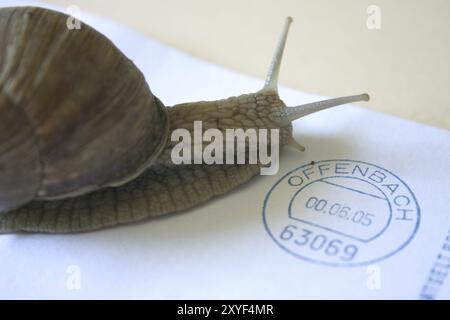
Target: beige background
x=405 y=65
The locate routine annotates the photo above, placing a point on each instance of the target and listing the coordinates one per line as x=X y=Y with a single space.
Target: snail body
x=84 y=143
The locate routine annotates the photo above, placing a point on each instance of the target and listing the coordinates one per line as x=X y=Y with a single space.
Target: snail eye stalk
x=294 y=113
x=274 y=69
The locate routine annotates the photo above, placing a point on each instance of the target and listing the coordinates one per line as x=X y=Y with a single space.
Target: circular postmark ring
x=341 y=213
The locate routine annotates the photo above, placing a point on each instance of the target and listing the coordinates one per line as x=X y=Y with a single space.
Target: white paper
x=227 y=249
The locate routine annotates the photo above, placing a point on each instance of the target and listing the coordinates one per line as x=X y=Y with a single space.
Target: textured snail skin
x=164 y=187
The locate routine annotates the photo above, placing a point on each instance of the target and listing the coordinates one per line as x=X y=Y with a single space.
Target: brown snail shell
x=77 y=114
x=78 y=119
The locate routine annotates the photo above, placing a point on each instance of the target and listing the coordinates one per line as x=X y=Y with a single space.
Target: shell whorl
x=91 y=117
x=20 y=168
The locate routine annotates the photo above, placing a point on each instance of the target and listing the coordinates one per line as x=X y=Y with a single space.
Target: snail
x=84 y=143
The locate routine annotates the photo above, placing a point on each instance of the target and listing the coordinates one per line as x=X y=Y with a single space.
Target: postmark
x=341 y=213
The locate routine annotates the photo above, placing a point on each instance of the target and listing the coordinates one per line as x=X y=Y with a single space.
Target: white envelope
x=364 y=213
